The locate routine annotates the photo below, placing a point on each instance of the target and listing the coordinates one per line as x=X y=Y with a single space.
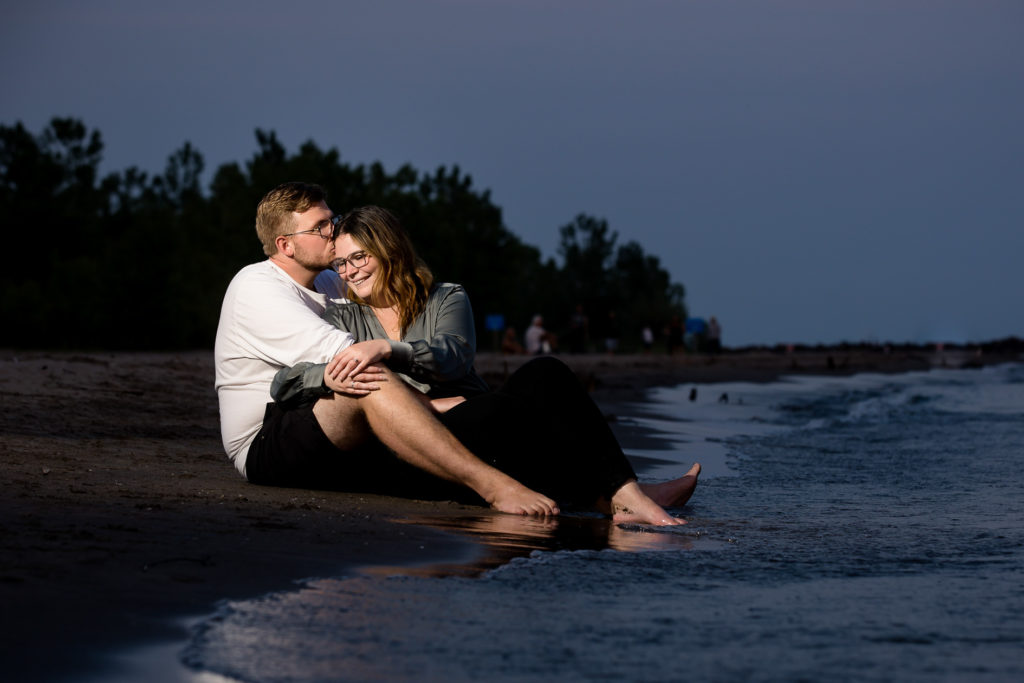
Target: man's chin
x=315 y=265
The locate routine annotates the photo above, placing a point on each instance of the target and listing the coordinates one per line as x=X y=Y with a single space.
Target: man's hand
x=359 y=384
x=354 y=360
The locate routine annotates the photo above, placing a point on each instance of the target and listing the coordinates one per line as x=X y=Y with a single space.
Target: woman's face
x=359 y=279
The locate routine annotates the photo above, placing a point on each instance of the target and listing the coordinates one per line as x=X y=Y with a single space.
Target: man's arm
x=305 y=382
x=279 y=322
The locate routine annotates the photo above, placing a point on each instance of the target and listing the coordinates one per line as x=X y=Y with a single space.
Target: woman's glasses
x=356 y=260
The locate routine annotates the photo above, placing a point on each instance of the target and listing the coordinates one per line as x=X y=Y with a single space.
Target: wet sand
x=121 y=511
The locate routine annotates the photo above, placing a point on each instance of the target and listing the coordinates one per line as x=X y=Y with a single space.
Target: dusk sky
x=811 y=171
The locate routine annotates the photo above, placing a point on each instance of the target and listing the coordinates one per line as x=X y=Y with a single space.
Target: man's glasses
x=356 y=260
x=325 y=229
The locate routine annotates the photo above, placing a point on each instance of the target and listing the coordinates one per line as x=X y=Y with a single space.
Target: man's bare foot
x=631 y=504
x=516 y=499
x=675 y=492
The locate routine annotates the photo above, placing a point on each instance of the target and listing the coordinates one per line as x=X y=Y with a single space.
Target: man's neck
x=304 y=276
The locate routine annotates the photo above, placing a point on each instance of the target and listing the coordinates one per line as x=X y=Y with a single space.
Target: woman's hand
x=354 y=359
x=359 y=384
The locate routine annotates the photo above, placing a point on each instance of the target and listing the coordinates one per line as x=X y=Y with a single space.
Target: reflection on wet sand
x=501 y=538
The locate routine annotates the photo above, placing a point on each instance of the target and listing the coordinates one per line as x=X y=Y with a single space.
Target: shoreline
x=123 y=514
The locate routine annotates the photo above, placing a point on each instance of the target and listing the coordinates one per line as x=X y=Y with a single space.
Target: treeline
x=131 y=260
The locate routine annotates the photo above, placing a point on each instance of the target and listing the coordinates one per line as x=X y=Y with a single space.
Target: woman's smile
x=356 y=282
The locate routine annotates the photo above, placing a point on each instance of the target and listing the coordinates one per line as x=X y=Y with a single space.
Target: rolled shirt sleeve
x=299 y=384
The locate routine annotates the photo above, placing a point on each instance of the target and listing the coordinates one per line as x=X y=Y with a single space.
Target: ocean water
x=868 y=528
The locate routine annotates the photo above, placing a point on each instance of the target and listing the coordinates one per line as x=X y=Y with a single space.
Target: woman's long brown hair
x=404 y=279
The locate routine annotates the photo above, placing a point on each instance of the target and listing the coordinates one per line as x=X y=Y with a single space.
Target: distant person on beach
x=540 y=427
x=647 y=336
x=510 y=343
x=536 y=337
x=370 y=425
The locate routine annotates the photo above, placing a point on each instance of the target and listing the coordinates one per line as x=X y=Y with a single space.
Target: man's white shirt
x=268 y=321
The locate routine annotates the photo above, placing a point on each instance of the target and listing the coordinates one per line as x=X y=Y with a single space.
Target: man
x=535 y=336
x=270 y=319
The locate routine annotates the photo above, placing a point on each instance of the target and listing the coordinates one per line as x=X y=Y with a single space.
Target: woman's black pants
x=543 y=429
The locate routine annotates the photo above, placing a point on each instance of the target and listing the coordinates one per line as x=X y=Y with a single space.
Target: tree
x=646 y=293
x=586 y=248
x=604 y=279
x=142 y=262
x=49 y=188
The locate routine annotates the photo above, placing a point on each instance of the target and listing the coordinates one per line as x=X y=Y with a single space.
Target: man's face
x=310 y=249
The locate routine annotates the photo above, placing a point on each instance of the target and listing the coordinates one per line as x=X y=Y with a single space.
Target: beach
x=122 y=512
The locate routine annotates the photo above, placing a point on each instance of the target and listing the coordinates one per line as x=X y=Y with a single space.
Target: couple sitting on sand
x=375 y=388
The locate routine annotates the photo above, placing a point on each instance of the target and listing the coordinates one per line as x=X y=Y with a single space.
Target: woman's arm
x=304 y=382
x=440 y=345
x=437 y=356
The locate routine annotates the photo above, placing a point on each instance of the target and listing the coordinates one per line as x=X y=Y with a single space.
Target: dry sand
x=121 y=511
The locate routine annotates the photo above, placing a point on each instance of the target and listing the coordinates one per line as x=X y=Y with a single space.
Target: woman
x=541 y=427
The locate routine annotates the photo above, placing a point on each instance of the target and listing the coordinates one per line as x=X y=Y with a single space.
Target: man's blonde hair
x=274 y=214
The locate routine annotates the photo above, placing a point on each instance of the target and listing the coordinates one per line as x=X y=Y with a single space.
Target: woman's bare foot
x=675 y=492
x=631 y=504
